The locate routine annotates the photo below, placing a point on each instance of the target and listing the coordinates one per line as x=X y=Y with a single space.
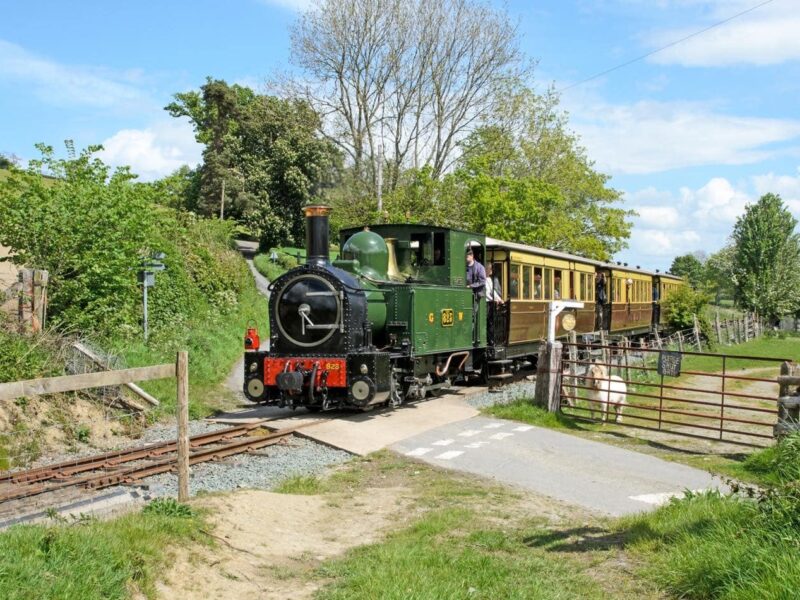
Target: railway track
x=132 y=464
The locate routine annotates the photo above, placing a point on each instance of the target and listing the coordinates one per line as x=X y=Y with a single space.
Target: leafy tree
x=526 y=167
x=91 y=228
x=718 y=274
x=5 y=162
x=766 y=258
x=682 y=305
x=689 y=267
x=264 y=151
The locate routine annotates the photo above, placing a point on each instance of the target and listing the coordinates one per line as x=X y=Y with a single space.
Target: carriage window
x=548 y=283
x=438 y=248
x=589 y=288
x=422 y=252
x=514 y=282
x=537 y=283
x=557 y=285
x=572 y=292
x=526 y=283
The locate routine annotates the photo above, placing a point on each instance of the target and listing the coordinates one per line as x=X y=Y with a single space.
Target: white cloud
x=154 y=151
x=672 y=223
x=658 y=217
x=62 y=85
x=764 y=36
x=649 y=137
x=296 y=5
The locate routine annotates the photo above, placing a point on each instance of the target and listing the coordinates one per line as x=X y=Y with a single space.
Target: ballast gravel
x=506 y=394
x=263 y=469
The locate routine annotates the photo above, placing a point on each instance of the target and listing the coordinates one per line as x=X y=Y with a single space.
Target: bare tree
x=401 y=82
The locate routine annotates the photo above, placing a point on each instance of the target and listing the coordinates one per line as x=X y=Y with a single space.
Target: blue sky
x=690 y=134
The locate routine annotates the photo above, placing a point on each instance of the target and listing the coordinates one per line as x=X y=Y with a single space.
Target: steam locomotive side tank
x=390 y=321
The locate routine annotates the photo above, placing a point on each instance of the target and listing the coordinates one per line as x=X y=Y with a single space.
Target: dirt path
x=270 y=545
x=267 y=542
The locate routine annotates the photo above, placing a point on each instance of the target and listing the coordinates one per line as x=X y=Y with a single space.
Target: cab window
x=422 y=250
x=438 y=248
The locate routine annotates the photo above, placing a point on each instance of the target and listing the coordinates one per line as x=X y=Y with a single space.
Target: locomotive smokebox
x=317 y=243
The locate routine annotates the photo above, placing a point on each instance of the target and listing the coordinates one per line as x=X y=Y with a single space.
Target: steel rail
x=126 y=474
x=115 y=457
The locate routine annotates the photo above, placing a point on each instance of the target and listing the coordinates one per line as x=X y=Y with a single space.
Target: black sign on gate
x=669 y=363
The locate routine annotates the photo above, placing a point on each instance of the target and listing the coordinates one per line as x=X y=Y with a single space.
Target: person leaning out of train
x=492 y=287
x=476 y=275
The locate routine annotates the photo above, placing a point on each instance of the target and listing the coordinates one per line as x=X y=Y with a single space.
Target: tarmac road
x=597 y=476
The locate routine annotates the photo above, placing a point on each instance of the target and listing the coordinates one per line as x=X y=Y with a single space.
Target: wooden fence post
x=788 y=400
x=680 y=341
x=747 y=327
x=572 y=352
x=716 y=327
x=182 y=375
x=547 y=393
x=626 y=344
x=658 y=340
x=697 y=333
x=604 y=351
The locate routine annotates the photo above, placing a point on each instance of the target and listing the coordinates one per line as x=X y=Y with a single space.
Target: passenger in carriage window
x=557 y=285
x=537 y=283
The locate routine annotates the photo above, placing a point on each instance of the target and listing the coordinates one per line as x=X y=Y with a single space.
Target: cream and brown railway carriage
x=530 y=278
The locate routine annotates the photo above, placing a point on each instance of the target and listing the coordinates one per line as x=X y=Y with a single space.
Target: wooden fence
x=70 y=383
x=26 y=299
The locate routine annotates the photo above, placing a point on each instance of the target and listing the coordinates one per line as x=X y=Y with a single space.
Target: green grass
x=710 y=546
x=452 y=554
x=214 y=346
x=766 y=346
x=90 y=560
x=265 y=266
x=300 y=484
x=523 y=410
x=738 y=546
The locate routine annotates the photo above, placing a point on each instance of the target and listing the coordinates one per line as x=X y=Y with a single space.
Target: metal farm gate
x=710 y=396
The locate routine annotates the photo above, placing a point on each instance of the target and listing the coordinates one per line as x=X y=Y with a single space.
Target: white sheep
x=606 y=390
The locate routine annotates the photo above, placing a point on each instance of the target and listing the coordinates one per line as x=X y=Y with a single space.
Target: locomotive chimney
x=317 y=245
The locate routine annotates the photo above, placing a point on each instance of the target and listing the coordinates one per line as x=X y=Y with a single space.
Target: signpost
x=147 y=278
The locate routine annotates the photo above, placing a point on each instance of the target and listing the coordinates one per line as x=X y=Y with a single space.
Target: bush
x=682 y=305
x=91 y=229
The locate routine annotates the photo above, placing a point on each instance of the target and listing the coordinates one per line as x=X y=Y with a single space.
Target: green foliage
x=23 y=357
x=718 y=275
x=264 y=150
x=779 y=463
x=91 y=229
x=524 y=411
x=272 y=270
x=169 y=507
x=99 y=560
x=682 y=305
x=713 y=546
x=307 y=485
x=448 y=554
x=526 y=161
x=766 y=258
x=690 y=268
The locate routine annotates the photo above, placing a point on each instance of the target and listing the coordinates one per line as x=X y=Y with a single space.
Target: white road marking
x=469 y=433
x=500 y=436
x=449 y=454
x=523 y=428
x=493 y=426
x=659 y=499
x=476 y=444
x=418 y=451
x=442 y=443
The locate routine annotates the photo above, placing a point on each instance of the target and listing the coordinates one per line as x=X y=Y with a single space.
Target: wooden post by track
x=716 y=327
x=788 y=400
x=659 y=345
x=547 y=393
x=626 y=344
x=747 y=327
x=680 y=341
x=182 y=375
x=572 y=352
x=604 y=350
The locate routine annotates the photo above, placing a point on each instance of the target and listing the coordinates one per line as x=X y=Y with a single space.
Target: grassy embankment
x=739 y=546
x=288 y=257
x=95 y=559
